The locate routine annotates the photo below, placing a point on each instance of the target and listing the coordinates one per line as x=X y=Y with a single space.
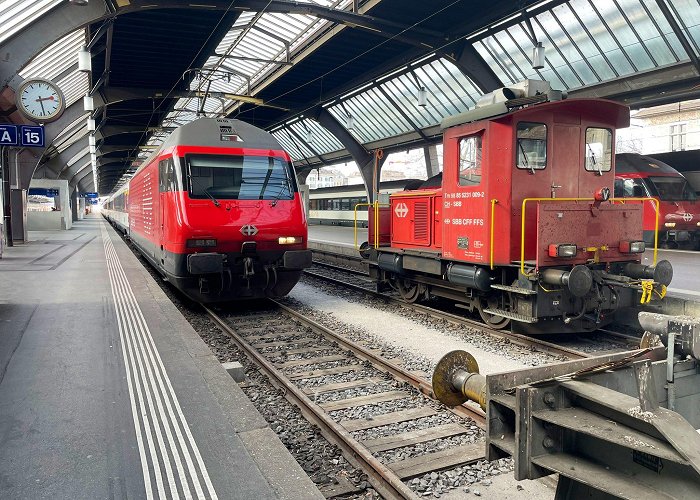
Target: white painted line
x=154 y=404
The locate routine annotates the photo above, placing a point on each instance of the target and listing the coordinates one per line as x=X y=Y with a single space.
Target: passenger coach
x=217 y=211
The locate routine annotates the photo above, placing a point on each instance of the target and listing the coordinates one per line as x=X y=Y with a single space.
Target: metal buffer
x=615 y=426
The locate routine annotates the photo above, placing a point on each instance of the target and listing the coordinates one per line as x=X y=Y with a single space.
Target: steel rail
x=385 y=481
x=515 y=338
x=396 y=371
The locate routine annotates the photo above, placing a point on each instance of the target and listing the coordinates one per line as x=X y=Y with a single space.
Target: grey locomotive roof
x=210 y=132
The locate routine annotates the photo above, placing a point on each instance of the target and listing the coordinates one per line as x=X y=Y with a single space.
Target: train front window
x=673 y=189
x=239 y=177
x=598 y=150
x=532 y=146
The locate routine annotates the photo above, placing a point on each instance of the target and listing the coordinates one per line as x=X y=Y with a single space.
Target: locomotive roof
x=218 y=132
x=628 y=163
x=614 y=113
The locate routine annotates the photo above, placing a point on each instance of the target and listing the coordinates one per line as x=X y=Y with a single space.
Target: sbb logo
x=401 y=210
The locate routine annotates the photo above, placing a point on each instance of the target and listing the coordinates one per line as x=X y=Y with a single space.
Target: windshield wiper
x=206 y=191
x=527 y=163
x=596 y=165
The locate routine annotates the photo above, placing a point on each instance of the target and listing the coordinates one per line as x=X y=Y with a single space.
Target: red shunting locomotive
x=217 y=211
x=520 y=225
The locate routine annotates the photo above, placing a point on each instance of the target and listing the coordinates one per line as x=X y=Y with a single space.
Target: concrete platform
x=106 y=391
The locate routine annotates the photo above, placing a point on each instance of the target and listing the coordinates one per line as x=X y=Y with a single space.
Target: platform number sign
x=31 y=136
x=8 y=135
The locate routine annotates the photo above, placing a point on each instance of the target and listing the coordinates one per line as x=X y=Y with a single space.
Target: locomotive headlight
x=632 y=247
x=201 y=243
x=566 y=250
x=670 y=224
x=289 y=240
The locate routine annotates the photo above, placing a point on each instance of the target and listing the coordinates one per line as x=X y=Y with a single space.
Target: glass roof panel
x=589 y=41
x=17 y=14
x=689 y=20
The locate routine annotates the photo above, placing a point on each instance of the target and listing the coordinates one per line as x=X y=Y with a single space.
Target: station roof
x=332 y=80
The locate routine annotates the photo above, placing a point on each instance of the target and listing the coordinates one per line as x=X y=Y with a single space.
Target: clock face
x=40 y=100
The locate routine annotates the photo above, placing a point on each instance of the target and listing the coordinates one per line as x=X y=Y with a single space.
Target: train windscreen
x=673 y=189
x=239 y=177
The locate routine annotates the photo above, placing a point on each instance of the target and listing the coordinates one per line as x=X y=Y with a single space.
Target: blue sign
x=91 y=195
x=31 y=136
x=8 y=135
x=43 y=192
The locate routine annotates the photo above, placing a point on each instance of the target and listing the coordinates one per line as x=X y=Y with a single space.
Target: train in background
x=521 y=226
x=679 y=210
x=216 y=210
x=336 y=205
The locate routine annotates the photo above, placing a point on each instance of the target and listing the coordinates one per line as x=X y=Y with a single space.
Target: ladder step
x=511 y=315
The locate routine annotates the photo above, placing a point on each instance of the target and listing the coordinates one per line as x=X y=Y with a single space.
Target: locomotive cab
x=523 y=228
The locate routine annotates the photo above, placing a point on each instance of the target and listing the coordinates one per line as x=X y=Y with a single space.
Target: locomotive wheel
x=410 y=292
x=493 y=320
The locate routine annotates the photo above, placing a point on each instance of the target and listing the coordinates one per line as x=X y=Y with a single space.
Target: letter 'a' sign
x=8 y=135
x=25 y=135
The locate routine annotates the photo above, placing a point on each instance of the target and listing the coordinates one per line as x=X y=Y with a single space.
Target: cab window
x=598 y=150
x=470 y=161
x=531 y=146
x=166 y=175
x=629 y=188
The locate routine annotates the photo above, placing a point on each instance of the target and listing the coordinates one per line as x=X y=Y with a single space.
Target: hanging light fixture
x=349 y=122
x=91 y=124
x=81 y=3
x=91 y=140
x=538 y=56
x=88 y=103
x=84 y=60
x=422 y=97
x=93 y=149
x=310 y=136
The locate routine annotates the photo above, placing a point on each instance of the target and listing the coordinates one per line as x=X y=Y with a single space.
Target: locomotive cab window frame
x=167 y=179
x=598 y=150
x=531 y=146
x=470 y=150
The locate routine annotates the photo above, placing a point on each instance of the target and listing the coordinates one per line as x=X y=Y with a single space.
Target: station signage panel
x=90 y=195
x=28 y=136
x=43 y=192
x=31 y=136
x=8 y=135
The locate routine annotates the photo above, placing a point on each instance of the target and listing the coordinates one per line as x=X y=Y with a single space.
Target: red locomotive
x=679 y=210
x=520 y=226
x=217 y=211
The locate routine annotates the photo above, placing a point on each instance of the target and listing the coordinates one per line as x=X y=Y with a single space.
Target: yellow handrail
x=522 y=225
x=522 y=222
x=655 y=203
x=493 y=209
x=355 y=217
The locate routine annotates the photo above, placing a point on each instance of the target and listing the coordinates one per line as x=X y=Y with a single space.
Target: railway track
x=322 y=373
x=359 y=281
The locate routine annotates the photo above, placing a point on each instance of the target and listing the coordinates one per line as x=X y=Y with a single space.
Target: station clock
x=40 y=100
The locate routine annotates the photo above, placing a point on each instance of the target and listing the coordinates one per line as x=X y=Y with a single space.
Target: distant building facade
x=662 y=129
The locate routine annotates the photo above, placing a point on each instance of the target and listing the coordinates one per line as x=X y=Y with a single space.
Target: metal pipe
x=471 y=385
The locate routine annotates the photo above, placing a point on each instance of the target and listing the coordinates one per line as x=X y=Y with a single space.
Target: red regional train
x=217 y=211
x=521 y=226
x=679 y=210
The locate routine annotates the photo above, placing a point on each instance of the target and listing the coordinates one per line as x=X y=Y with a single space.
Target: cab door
x=566 y=162
x=166 y=176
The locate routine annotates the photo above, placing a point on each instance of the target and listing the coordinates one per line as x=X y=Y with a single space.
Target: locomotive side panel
x=465 y=181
